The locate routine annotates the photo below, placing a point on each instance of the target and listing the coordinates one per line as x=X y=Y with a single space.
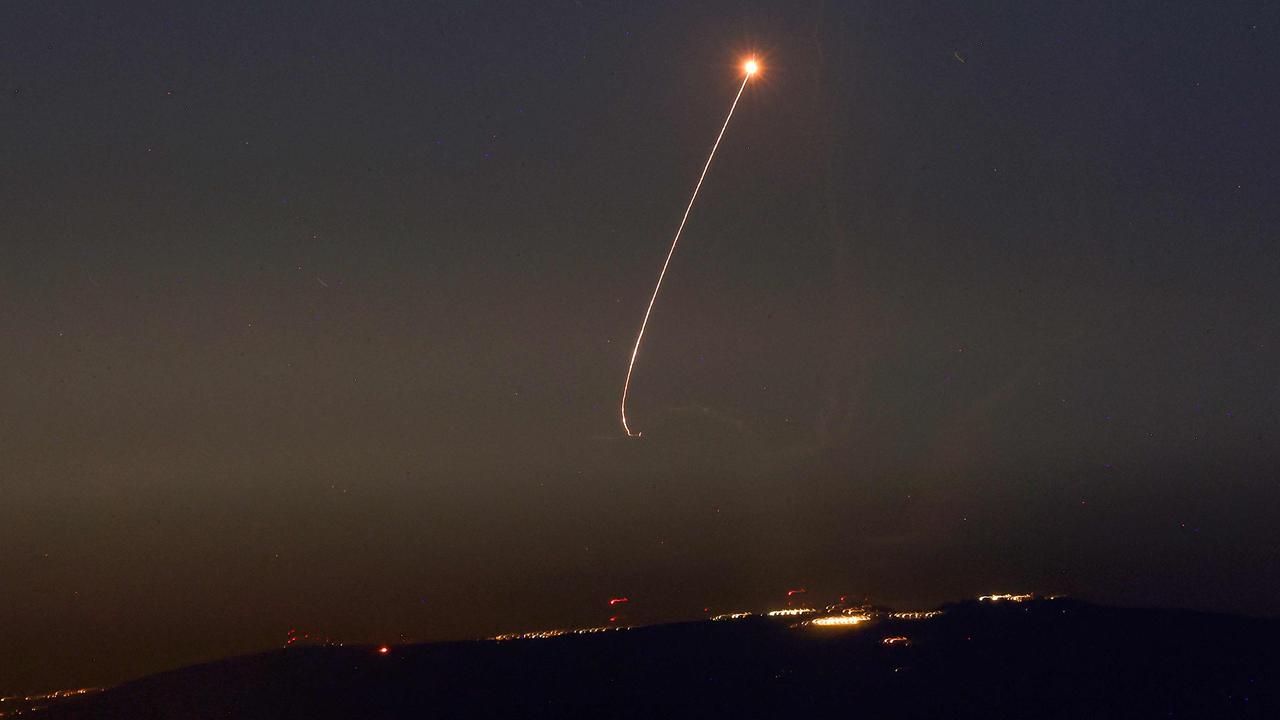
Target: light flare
x=750 y=68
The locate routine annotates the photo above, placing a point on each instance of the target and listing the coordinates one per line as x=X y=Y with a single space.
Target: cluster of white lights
x=543 y=634
x=530 y=635
x=846 y=619
x=56 y=694
x=839 y=620
x=791 y=612
x=915 y=615
x=26 y=700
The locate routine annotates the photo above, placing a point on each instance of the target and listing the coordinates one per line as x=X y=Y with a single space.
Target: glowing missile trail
x=749 y=68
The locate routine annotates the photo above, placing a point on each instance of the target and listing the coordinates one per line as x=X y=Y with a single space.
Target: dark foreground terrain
x=1041 y=659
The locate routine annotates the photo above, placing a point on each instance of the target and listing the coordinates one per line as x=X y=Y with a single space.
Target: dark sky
x=316 y=316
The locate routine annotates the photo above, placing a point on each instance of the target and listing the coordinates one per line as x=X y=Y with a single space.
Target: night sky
x=317 y=316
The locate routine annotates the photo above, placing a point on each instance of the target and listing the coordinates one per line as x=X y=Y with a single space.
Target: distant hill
x=1039 y=659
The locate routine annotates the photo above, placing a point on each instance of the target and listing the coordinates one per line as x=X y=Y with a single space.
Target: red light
x=384 y=650
x=618 y=600
x=796 y=592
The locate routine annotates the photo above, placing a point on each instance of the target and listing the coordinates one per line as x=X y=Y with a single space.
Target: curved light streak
x=626 y=386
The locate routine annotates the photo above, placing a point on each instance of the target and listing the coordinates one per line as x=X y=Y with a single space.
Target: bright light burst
x=750 y=68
